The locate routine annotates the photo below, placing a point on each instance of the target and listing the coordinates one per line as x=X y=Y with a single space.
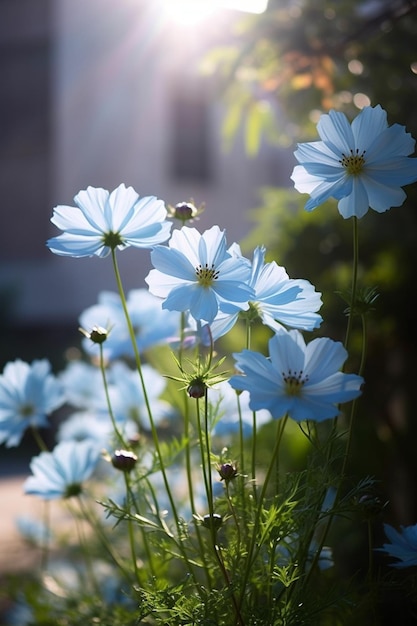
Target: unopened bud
x=197 y=389
x=185 y=211
x=227 y=471
x=124 y=460
x=97 y=334
x=212 y=521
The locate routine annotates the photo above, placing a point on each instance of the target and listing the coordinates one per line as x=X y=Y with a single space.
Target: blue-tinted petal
x=335 y=130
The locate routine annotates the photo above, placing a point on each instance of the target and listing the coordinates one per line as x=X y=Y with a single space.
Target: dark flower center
x=353 y=162
x=26 y=410
x=112 y=240
x=72 y=490
x=206 y=275
x=294 y=382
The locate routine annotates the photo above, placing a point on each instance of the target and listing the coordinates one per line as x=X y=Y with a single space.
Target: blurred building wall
x=99 y=93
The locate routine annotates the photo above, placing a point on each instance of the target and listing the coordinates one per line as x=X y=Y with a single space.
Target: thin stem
x=217 y=551
x=130 y=497
x=355 y=263
x=253 y=441
x=252 y=553
x=207 y=481
x=84 y=548
x=45 y=539
x=39 y=440
x=96 y=526
x=149 y=410
x=108 y=401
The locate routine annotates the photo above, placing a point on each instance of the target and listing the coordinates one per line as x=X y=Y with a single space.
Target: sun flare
x=188 y=12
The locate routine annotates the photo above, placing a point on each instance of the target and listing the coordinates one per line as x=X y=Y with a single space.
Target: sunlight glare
x=188 y=12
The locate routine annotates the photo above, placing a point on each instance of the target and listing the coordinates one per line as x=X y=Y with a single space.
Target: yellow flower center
x=206 y=275
x=353 y=162
x=294 y=382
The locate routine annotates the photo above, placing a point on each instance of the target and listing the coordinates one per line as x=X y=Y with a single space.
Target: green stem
x=39 y=440
x=96 y=527
x=205 y=464
x=253 y=441
x=85 y=549
x=355 y=264
x=109 y=406
x=45 y=541
x=149 y=410
x=252 y=553
x=131 y=498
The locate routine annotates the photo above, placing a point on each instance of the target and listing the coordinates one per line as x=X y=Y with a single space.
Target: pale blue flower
x=127 y=397
x=298 y=380
x=60 y=473
x=278 y=300
x=197 y=273
x=229 y=408
x=151 y=323
x=83 y=425
x=28 y=394
x=33 y=530
x=361 y=165
x=108 y=314
x=104 y=221
x=402 y=546
x=83 y=386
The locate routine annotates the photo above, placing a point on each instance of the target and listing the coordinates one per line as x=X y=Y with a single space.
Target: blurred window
x=190 y=136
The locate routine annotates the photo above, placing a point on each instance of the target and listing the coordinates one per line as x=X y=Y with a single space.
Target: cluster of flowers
x=197 y=290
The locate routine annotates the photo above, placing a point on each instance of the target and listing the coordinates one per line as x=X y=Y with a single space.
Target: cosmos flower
x=127 y=398
x=361 y=165
x=104 y=221
x=228 y=409
x=60 y=473
x=83 y=425
x=197 y=273
x=28 y=394
x=278 y=300
x=33 y=530
x=402 y=546
x=298 y=380
x=152 y=324
x=83 y=387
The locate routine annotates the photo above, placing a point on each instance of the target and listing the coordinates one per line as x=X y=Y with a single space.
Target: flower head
x=402 y=546
x=60 y=473
x=104 y=221
x=197 y=273
x=361 y=165
x=28 y=394
x=232 y=413
x=302 y=381
x=278 y=300
x=152 y=324
x=83 y=387
x=127 y=397
x=83 y=425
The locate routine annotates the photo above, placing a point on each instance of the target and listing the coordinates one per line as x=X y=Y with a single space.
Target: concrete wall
x=115 y=71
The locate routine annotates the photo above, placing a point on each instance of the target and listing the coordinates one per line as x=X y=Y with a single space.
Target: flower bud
x=124 y=460
x=227 y=471
x=197 y=389
x=212 y=521
x=185 y=211
x=97 y=334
